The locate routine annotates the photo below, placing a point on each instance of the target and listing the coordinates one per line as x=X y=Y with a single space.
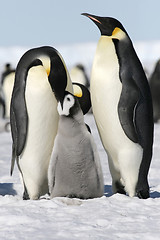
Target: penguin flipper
x=52 y=170
x=12 y=160
x=144 y=124
x=128 y=102
x=19 y=122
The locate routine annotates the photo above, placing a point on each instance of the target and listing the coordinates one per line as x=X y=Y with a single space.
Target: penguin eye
x=68 y=99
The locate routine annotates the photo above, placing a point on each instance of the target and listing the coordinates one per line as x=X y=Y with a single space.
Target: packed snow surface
x=109 y=217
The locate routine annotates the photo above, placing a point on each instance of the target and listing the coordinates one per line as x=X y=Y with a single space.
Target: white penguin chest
x=7 y=89
x=42 y=115
x=106 y=89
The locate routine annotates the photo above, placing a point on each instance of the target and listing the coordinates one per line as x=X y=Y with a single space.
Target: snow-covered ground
x=110 y=217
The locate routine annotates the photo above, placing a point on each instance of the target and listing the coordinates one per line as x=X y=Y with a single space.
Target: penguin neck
x=105 y=64
x=70 y=125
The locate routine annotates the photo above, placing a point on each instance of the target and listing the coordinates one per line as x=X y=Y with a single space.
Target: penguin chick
x=75 y=169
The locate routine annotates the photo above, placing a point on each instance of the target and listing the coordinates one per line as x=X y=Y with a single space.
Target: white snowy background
x=109 y=217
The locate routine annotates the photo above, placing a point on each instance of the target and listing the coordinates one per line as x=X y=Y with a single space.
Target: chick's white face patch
x=67 y=104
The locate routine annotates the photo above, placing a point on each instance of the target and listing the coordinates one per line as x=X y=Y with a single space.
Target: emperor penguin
x=7 y=82
x=75 y=169
x=34 y=116
x=154 y=82
x=78 y=75
x=2 y=104
x=122 y=107
x=83 y=95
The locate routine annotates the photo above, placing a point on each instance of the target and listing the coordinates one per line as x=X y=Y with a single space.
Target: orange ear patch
x=77 y=91
x=116 y=31
x=48 y=71
x=118 y=34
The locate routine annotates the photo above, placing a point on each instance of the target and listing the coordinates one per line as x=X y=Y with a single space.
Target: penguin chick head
x=68 y=106
x=108 y=26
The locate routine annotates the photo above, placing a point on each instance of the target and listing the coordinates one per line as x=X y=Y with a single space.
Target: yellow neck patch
x=118 y=33
x=77 y=91
x=48 y=71
x=46 y=63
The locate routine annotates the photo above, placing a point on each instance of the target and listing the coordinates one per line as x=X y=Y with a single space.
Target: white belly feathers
x=41 y=124
x=106 y=89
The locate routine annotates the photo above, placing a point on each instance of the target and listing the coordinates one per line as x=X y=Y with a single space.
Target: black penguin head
x=58 y=76
x=157 y=68
x=81 y=67
x=108 y=26
x=68 y=106
x=83 y=95
x=8 y=66
x=56 y=70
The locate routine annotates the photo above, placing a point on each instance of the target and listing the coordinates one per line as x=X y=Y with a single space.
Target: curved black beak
x=95 y=19
x=61 y=102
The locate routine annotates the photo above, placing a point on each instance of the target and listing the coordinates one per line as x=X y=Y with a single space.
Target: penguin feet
x=119 y=188
x=143 y=194
x=142 y=189
x=25 y=195
x=32 y=196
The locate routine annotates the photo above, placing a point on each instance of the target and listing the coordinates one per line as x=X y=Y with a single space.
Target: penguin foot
x=25 y=195
x=143 y=194
x=119 y=188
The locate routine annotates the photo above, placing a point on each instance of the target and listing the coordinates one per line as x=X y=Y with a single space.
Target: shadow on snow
x=7 y=189
x=108 y=192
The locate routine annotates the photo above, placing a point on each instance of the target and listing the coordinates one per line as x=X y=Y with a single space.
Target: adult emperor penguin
x=83 y=95
x=75 y=169
x=122 y=107
x=78 y=75
x=7 y=81
x=34 y=116
x=154 y=82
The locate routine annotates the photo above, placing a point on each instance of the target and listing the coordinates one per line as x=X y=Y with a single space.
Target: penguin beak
x=61 y=102
x=58 y=78
x=102 y=23
x=59 y=95
x=95 y=19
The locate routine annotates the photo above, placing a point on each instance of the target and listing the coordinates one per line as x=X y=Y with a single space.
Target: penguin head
x=157 y=68
x=53 y=64
x=58 y=77
x=56 y=71
x=68 y=106
x=83 y=95
x=108 y=26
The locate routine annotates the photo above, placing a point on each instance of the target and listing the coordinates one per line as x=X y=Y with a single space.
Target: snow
x=110 y=217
